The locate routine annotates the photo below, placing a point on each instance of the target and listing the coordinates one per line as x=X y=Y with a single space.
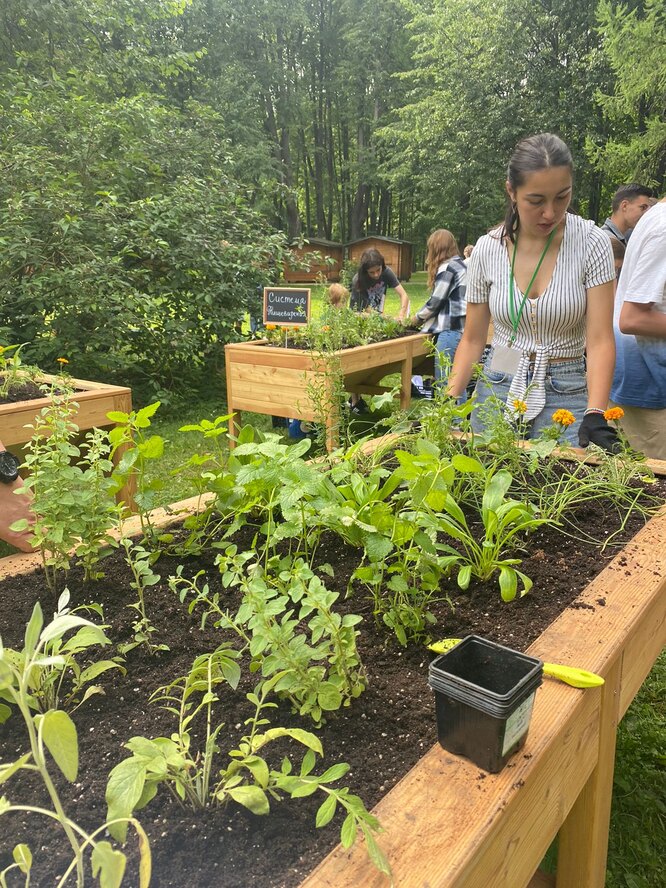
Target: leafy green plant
x=55 y=732
x=138 y=449
x=56 y=680
x=13 y=371
x=186 y=773
x=286 y=620
x=247 y=779
x=140 y=561
x=72 y=494
x=503 y=519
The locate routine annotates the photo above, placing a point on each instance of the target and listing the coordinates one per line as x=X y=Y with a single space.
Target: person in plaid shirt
x=443 y=315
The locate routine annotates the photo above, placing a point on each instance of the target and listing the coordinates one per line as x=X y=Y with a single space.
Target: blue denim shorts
x=566 y=389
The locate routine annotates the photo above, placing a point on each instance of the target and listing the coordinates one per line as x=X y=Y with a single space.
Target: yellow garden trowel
x=577 y=678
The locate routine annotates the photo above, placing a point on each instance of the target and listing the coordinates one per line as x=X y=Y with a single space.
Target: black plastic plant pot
x=484 y=693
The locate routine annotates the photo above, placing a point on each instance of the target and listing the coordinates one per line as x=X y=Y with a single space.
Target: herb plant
x=56 y=680
x=55 y=732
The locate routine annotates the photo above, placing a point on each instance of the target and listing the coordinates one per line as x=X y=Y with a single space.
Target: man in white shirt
x=639 y=383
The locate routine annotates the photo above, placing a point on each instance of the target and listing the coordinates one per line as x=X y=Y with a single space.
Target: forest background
x=158 y=157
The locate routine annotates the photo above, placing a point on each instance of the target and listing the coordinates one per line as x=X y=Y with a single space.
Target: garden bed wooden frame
x=95 y=400
x=263 y=378
x=449 y=825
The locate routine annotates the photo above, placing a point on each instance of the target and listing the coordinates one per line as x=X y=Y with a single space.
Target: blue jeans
x=446 y=343
x=566 y=389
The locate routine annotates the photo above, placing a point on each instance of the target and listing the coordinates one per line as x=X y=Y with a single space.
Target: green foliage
x=128 y=243
x=140 y=561
x=56 y=680
x=288 y=623
x=633 y=44
x=247 y=778
x=44 y=653
x=71 y=488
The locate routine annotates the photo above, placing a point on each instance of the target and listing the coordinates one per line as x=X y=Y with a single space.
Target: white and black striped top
x=552 y=325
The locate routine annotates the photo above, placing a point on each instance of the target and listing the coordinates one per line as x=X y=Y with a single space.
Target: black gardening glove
x=595 y=430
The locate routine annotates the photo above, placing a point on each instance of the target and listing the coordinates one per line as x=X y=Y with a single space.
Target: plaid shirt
x=446 y=308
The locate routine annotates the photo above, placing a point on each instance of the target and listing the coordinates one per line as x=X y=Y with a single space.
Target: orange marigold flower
x=325 y=328
x=62 y=360
x=613 y=413
x=270 y=326
x=520 y=406
x=564 y=417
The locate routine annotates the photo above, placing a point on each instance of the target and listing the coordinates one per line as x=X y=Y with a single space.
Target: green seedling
x=571 y=675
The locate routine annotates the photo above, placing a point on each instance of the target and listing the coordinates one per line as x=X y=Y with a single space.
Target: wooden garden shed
x=398 y=254
x=316 y=265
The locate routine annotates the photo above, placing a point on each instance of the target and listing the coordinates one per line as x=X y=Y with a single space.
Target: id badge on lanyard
x=507 y=358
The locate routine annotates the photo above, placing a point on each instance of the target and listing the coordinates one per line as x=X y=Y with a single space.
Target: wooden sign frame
x=299 y=320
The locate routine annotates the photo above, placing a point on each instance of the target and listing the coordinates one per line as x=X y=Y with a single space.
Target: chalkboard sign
x=286 y=306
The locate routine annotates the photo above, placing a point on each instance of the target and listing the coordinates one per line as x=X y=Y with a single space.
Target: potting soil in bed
x=384 y=732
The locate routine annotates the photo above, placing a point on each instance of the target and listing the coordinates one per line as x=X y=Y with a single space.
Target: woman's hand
x=595 y=430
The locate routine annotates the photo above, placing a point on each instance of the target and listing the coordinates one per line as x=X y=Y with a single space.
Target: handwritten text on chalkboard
x=286 y=306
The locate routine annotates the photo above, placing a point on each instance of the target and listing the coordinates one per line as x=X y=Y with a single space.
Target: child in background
x=337 y=296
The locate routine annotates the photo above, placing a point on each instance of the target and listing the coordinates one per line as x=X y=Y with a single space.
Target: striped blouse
x=552 y=325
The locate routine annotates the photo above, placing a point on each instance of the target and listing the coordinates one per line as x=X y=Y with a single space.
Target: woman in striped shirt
x=545 y=278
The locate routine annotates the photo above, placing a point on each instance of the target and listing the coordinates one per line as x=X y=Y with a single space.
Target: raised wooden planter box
x=449 y=825
x=95 y=400
x=262 y=378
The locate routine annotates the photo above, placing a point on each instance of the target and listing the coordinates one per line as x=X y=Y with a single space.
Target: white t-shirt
x=640 y=365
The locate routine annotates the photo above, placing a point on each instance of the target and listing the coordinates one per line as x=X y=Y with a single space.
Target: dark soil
x=25 y=391
x=381 y=735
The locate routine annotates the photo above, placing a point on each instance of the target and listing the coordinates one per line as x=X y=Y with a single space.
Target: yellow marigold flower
x=613 y=413
x=325 y=328
x=62 y=360
x=270 y=326
x=520 y=406
x=564 y=417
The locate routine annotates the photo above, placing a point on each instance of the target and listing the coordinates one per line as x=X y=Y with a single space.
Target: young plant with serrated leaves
x=278 y=492
x=56 y=680
x=287 y=620
x=137 y=450
x=187 y=772
x=55 y=732
x=140 y=562
x=404 y=577
x=72 y=494
x=247 y=779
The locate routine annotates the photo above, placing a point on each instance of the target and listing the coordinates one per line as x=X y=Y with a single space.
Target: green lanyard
x=515 y=317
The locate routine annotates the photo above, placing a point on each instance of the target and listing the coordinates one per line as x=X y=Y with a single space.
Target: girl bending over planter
x=370 y=283
x=368 y=293
x=443 y=315
x=545 y=278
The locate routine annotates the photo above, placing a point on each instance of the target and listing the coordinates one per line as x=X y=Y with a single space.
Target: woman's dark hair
x=529 y=156
x=369 y=259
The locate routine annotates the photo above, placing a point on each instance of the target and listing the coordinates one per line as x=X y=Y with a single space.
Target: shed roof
x=381 y=237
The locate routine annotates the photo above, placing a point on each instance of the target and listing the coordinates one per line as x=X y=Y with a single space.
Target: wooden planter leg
x=406 y=382
x=123 y=403
x=583 y=845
